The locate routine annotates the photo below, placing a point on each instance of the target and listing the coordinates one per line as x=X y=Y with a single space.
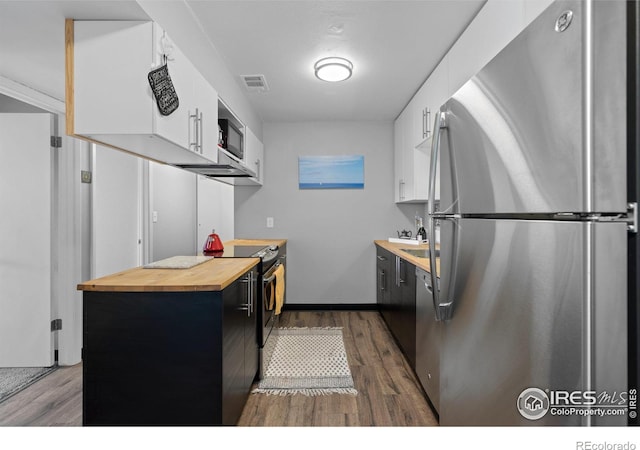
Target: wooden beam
x=69 y=69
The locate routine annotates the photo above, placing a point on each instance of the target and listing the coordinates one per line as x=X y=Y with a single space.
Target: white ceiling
x=32 y=37
x=394 y=45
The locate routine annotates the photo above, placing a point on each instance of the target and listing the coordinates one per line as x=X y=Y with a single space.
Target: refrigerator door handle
x=435 y=154
x=433 y=267
x=445 y=282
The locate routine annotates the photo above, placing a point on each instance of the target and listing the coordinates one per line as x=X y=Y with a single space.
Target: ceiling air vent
x=255 y=83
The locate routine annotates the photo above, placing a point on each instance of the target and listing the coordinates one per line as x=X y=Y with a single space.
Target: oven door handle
x=269 y=279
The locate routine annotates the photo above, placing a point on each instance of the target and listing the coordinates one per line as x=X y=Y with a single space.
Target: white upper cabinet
x=112 y=101
x=206 y=112
x=421 y=116
x=398 y=165
x=497 y=23
x=411 y=163
x=253 y=159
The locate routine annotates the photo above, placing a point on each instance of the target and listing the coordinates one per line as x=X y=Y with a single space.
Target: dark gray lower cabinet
x=169 y=358
x=397 y=299
x=384 y=281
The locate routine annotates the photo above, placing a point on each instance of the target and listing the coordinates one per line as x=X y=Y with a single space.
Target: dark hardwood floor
x=388 y=393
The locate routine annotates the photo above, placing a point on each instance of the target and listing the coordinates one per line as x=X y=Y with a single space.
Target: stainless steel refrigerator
x=534 y=225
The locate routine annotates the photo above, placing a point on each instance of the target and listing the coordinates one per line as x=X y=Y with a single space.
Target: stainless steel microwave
x=232 y=138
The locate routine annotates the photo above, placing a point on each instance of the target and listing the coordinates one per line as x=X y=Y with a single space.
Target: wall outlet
x=154 y=216
x=269 y=222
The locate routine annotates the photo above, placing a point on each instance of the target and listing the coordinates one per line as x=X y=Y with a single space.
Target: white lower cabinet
x=113 y=103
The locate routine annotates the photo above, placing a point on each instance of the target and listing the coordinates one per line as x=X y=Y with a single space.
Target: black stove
x=268 y=254
x=271 y=258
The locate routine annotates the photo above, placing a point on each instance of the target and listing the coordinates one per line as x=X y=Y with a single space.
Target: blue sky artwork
x=331 y=172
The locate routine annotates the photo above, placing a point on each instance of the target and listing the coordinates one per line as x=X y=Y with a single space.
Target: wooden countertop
x=213 y=275
x=396 y=249
x=265 y=242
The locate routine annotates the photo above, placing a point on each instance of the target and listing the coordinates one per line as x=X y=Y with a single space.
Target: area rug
x=15 y=379
x=308 y=361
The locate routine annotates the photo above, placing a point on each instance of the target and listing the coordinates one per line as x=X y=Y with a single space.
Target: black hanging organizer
x=163 y=90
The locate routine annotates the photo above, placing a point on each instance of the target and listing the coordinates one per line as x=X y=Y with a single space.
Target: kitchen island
x=168 y=346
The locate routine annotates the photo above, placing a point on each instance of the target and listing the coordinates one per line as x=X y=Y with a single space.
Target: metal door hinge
x=56 y=141
x=56 y=324
x=632 y=217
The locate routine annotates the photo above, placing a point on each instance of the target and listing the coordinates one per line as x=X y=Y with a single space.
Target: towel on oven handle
x=279 y=273
x=270 y=296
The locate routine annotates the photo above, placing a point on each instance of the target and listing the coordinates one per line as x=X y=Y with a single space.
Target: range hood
x=227 y=166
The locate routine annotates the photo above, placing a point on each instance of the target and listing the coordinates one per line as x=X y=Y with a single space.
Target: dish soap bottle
x=422 y=234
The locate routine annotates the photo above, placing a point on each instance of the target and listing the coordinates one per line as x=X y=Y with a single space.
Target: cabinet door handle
x=200 y=127
x=249 y=305
x=427 y=131
x=193 y=117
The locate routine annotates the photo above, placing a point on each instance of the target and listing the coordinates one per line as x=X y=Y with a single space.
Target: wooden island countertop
x=212 y=275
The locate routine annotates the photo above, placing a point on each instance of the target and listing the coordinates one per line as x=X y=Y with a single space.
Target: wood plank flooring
x=54 y=400
x=388 y=392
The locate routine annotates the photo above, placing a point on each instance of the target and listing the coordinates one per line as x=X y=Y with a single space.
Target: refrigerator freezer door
x=609 y=312
x=531 y=132
x=532 y=308
x=427 y=338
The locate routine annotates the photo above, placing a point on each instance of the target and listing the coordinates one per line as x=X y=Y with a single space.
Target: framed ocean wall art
x=331 y=172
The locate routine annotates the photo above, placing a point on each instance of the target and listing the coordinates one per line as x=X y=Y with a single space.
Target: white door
x=25 y=241
x=173 y=203
x=117 y=210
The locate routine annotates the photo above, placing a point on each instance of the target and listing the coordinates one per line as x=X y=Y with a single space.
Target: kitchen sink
x=420 y=253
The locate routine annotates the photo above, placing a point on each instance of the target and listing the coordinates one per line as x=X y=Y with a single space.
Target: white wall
x=330 y=250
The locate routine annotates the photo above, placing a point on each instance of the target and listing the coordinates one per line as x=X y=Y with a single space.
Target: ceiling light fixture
x=333 y=69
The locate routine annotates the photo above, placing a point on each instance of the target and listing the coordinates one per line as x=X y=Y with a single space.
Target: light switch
x=269 y=222
x=154 y=216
